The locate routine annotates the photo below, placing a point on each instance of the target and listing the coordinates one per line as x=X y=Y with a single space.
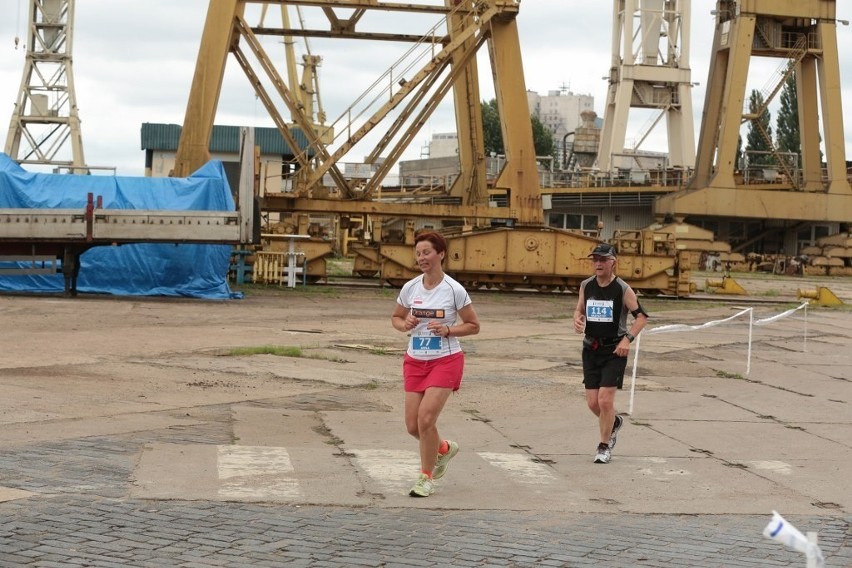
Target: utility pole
x=45 y=117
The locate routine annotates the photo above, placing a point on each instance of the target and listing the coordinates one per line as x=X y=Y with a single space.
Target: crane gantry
x=490 y=245
x=803 y=35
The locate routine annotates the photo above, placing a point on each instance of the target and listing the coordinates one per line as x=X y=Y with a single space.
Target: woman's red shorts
x=445 y=372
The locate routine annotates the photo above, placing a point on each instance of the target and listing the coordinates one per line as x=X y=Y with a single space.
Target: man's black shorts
x=603 y=369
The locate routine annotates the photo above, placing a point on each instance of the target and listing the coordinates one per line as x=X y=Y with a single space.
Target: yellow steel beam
x=806 y=88
x=364 y=5
x=349 y=34
x=216 y=41
x=828 y=68
x=520 y=173
x=816 y=9
x=470 y=183
x=753 y=203
x=314 y=205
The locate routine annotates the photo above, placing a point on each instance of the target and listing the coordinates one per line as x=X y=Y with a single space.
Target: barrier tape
x=789 y=312
x=683 y=327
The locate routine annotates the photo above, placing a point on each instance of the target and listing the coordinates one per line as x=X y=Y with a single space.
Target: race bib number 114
x=599 y=310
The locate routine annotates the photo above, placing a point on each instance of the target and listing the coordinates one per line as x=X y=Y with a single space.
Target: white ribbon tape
x=782 y=315
x=684 y=327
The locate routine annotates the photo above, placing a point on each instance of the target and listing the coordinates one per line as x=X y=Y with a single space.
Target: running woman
x=435 y=311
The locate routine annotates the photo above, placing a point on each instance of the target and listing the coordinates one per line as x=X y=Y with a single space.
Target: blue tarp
x=197 y=271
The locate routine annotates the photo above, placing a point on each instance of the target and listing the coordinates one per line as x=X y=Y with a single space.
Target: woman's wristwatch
x=630 y=337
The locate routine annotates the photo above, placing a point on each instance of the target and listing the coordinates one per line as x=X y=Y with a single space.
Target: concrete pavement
x=155 y=449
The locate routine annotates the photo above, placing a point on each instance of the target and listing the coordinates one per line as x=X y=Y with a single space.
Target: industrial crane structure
x=803 y=35
x=304 y=87
x=411 y=92
x=496 y=229
x=45 y=120
x=491 y=246
x=650 y=70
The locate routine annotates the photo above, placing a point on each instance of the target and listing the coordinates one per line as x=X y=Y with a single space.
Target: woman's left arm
x=469 y=323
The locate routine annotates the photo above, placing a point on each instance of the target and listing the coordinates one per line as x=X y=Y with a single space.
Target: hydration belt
x=595 y=343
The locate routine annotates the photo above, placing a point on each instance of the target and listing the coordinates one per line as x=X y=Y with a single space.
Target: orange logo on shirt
x=423 y=313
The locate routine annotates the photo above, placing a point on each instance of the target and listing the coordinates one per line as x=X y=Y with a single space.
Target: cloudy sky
x=134 y=61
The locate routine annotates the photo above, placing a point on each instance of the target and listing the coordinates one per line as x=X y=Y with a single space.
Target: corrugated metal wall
x=225 y=139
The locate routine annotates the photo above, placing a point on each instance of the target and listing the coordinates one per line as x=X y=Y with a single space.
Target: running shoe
x=604 y=454
x=444 y=460
x=619 y=422
x=423 y=488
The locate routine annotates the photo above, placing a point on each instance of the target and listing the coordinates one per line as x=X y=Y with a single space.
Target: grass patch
x=381 y=351
x=339 y=266
x=727 y=375
x=279 y=351
x=653 y=305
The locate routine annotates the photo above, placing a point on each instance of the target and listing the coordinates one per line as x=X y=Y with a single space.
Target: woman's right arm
x=399 y=319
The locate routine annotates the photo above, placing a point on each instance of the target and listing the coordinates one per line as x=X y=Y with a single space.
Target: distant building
x=560 y=111
x=428 y=172
x=160 y=142
x=444 y=144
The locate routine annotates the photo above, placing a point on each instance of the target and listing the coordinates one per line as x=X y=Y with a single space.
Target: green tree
x=757 y=145
x=491 y=128
x=787 y=123
x=542 y=139
x=788 y=136
x=493 y=133
x=738 y=159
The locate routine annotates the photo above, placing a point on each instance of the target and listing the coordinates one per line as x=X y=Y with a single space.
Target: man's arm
x=580 y=312
x=640 y=318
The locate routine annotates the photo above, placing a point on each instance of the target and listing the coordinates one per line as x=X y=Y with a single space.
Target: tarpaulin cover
x=191 y=270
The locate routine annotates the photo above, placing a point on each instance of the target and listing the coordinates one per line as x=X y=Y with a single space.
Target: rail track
x=783 y=297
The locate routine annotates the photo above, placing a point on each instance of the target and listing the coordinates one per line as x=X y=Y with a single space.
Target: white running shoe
x=423 y=488
x=444 y=460
x=604 y=454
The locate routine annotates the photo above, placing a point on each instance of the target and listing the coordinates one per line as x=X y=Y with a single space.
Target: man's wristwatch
x=630 y=337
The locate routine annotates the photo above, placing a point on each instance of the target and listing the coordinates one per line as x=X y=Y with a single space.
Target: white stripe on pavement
x=520 y=467
x=256 y=472
x=775 y=466
x=393 y=469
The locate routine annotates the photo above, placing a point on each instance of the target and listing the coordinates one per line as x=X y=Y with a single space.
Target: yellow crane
x=306 y=91
x=803 y=34
x=503 y=246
